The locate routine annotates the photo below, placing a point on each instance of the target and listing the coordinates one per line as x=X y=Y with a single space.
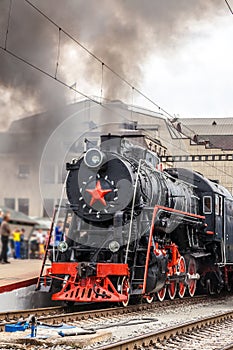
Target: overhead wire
x=102 y=82
x=188 y=127
x=132 y=100
x=58 y=52
x=103 y=64
x=84 y=48
x=8 y=23
x=229 y=7
x=94 y=56
x=11 y=53
x=71 y=87
x=97 y=58
x=60 y=29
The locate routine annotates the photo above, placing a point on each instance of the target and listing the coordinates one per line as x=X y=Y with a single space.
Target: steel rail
x=59 y=314
x=227 y=347
x=15 y=315
x=150 y=339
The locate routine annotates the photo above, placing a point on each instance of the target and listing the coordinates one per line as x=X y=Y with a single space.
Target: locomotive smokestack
x=111 y=143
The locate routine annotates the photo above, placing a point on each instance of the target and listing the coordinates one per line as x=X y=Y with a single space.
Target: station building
x=209 y=145
x=33 y=151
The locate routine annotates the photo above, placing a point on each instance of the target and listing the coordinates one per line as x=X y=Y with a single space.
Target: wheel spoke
x=172 y=290
x=192 y=283
x=124 y=290
x=149 y=298
x=161 y=294
x=182 y=269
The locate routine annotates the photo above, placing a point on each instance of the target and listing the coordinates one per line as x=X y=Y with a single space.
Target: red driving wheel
x=182 y=270
x=161 y=293
x=172 y=289
x=192 y=283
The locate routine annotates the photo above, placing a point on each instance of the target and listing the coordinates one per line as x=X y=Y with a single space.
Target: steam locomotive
x=134 y=231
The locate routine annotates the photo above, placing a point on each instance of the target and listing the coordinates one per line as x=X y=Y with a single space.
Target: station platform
x=19 y=274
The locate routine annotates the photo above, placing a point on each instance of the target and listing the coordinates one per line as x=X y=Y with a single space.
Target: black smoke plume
x=123 y=33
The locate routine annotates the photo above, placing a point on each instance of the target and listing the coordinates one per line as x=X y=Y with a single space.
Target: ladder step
x=137 y=280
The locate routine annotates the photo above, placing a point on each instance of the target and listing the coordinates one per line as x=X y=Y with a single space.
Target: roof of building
x=45 y=121
x=214 y=132
x=42 y=223
x=17 y=217
x=196 y=121
x=209 y=126
x=36 y=129
x=224 y=142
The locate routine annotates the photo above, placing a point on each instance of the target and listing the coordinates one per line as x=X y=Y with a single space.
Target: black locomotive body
x=131 y=230
x=216 y=204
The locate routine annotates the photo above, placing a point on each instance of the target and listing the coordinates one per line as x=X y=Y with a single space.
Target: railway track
x=190 y=335
x=60 y=314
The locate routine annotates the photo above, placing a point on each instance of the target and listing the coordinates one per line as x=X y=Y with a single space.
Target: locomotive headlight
x=93 y=158
x=62 y=247
x=114 y=246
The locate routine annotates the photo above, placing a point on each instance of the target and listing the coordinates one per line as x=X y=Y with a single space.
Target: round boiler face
x=96 y=194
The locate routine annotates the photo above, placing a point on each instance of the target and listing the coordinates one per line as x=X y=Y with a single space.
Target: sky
x=179 y=53
x=196 y=81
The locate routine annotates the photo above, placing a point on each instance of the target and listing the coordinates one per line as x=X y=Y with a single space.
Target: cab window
x=207 y=205
x=218 y=205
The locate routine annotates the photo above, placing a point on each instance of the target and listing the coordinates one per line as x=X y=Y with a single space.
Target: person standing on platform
x=16 y=238
x=12 y=245
x=1 y=216
x=58 y=233
x=41 y=241
x=5 y=232
x=22 y=244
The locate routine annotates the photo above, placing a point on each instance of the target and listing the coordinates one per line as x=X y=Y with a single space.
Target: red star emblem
x=98 y=194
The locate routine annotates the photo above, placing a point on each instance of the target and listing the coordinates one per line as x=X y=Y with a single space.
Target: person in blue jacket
x=58 y=233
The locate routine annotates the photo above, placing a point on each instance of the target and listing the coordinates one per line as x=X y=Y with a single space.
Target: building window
x=9 y=203
x=49 y=174
x=23 y=171
x=23 y=205
x=207 y=205
x=48 y=207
